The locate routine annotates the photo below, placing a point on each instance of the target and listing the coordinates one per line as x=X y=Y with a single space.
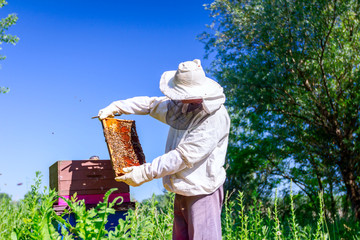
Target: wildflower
x=278 y=233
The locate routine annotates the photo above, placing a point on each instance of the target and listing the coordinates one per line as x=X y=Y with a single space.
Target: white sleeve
x=155 y=106
x=166 y=164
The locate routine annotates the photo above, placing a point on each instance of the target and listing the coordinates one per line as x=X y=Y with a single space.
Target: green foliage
x=34 y=218
x=30 y=218
x=290 y=70
x=5 y=23
x=90 y=224
x=149 y=220
x=5 y=196
x=257 y=222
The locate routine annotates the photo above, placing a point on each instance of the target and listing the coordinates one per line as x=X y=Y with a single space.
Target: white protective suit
x=196 y=144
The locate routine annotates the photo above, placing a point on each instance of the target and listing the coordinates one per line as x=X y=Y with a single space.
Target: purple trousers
x=198 y=217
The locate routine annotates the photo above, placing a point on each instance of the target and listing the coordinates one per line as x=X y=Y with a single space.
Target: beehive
x=123 y=144
x=90 y=179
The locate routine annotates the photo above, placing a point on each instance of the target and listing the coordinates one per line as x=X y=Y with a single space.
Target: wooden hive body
x=90 y=179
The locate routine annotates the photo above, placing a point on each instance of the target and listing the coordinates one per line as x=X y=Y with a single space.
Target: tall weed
x=34 y=218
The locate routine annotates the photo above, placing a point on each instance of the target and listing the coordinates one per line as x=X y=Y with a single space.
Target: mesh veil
x=184 y=116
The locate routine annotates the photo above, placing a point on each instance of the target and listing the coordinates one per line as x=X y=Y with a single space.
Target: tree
x=5 y=23
x=290 y=70
x=5 y=197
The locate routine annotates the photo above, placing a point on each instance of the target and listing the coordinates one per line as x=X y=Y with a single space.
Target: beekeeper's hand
x=109 y=111
x=134 y=176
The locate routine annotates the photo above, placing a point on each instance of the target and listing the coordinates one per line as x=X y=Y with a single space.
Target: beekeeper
x=193 y=165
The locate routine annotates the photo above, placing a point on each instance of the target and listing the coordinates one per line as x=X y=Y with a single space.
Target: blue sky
x=76 y=57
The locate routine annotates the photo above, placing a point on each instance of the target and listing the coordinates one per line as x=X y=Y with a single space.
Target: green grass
x=34 y=218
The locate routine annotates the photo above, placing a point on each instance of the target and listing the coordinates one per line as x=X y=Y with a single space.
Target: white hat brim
x=208 y=88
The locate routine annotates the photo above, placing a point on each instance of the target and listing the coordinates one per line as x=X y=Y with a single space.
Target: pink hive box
x=90 y=179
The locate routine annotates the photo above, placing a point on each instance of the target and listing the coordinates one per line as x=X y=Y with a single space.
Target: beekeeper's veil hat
x=188 y=82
